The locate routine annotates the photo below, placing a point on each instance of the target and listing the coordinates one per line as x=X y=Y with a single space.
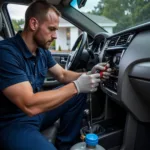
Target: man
x=24 y=109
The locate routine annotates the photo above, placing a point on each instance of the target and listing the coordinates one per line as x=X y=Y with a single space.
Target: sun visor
x=54 y=2
x=57 y=2
x=66 y=2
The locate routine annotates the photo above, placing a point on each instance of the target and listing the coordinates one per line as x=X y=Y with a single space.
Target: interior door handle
x=63 y=61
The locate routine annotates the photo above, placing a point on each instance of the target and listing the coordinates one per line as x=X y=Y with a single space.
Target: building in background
x=68 y=33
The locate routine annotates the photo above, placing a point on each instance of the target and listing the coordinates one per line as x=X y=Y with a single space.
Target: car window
x=116 y=15
x=66 y=34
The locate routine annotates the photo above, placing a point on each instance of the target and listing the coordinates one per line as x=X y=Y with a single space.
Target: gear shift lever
x=87 y=113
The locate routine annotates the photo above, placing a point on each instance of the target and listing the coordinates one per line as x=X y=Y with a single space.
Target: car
x=120 y=108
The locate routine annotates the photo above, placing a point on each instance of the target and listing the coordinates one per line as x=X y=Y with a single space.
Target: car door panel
x=61 y=58
x=49 y=81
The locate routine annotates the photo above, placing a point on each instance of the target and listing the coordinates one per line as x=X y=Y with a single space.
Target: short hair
x=39 y=9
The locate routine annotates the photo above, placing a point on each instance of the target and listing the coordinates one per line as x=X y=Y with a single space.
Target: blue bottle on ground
x=91 y=143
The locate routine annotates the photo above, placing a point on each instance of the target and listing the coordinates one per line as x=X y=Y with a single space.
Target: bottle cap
x=91 y=139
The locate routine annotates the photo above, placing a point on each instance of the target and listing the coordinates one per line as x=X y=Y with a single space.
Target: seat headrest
x=1 y=22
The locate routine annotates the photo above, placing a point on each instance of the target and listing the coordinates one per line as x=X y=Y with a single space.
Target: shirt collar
x=23 y=47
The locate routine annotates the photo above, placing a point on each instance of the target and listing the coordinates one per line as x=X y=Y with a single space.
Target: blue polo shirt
x=17 y=64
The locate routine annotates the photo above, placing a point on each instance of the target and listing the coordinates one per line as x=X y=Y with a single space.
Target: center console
x=110 y=129
x=112 y=52
x=113 y=56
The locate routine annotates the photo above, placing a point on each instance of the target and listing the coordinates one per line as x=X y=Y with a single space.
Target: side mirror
x=81 y=3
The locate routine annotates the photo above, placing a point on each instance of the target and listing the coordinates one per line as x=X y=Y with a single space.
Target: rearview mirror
x=81 y=3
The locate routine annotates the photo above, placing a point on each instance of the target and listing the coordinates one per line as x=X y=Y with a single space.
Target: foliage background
x=125 y=13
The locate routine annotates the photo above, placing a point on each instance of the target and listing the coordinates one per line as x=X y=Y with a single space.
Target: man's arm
x=62 y=75
x=21 y=94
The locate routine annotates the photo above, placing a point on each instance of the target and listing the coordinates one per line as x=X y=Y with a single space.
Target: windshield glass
x=116 y=15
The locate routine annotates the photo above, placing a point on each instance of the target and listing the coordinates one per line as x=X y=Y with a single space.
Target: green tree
x=59 y=48
x=125 y=13
x=53 y=45
x=17 y=24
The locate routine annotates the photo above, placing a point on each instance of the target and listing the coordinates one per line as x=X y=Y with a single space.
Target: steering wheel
x=74 y=56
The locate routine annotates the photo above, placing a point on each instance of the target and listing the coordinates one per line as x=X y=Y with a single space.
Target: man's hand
x=87 y=83
x=101 y=67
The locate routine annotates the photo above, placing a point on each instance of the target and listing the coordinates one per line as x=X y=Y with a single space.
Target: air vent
x=113 y=41
x=123 y=39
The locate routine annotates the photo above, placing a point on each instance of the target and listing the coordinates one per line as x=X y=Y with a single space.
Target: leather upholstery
x=50 y=133
x=1 y=26
x=1 y=22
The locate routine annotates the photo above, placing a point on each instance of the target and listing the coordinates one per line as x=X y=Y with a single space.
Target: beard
x=44 y=45
x=40 y=42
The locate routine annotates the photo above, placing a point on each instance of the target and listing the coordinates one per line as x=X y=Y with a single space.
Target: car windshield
x=116 y=15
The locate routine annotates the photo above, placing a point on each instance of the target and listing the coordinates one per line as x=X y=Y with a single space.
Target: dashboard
x=114 y=50
x=128 y=54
